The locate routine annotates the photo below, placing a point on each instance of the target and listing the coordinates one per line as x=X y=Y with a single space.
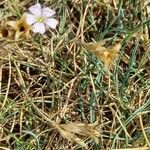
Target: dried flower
x=5 y=31
x=21 y=27
x=88 y=130
x=106 y=55
x=72 y=137
x=40 y=17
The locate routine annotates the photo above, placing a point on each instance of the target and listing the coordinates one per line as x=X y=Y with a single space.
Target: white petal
x=47 y=12
x=38 y=6
x=51 y=22
x=36 y=9
x=30 y=19
x=39 y=28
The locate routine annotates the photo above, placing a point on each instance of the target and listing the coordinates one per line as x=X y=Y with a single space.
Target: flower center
x=22 y=29
x=40 y=19
x=4 y=32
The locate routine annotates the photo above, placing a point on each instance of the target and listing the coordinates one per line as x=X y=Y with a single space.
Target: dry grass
x=54 y=94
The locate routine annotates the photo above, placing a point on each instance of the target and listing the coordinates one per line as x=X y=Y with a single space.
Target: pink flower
x=40 y=17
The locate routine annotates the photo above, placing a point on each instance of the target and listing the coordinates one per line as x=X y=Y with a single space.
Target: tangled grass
x=54 y=94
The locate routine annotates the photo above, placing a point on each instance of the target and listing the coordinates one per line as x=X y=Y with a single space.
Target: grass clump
x=50 y=84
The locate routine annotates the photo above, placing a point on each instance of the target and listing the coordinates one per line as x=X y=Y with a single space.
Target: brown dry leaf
x=88 y=130
x=20 y=27
x=106 y=55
